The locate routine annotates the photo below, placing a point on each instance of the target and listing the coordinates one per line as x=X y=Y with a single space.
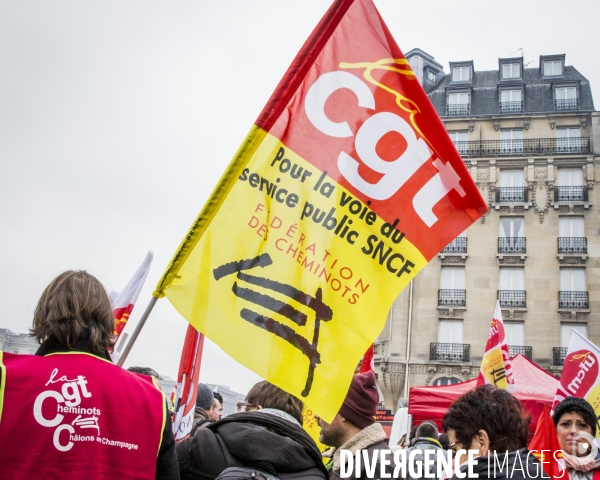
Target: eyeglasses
x=244 y=406
x=453 y=446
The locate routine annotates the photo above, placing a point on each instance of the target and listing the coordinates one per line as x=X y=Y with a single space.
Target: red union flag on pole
x=186 y=389
x=345 y=187
x=544 y=445
x=495 y=364
x=123 y=302
x=580 y=377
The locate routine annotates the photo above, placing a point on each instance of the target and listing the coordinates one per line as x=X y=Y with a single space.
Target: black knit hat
x=205 y=397
x=577 y=405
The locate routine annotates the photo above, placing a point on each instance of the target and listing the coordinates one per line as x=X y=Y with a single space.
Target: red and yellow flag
x=345 y=187
x=496 y=368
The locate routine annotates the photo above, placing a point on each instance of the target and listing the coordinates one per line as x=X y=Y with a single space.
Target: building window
x=568 y=139
x=458 y=103
x=511 y=101
x=431 y=76
x=461 y=74
x=512 y=288
x=552 y=68
x=515 y=333
x=566 y=330
x=565 y=98
x=571 y=236
x=511 y=142
x=460 y=141
x=446 y=381
x=570 y=186
x=573 y=293
x=458 y=245
x=511 y=70
x=511 y=187
x=450 y=331
x=452 y=287
x=512 y=235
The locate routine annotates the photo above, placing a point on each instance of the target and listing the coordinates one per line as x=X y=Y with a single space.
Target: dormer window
x=431 y=76
x=552 y=68
x=461 y=74
x=565 y=98
x=511 y=70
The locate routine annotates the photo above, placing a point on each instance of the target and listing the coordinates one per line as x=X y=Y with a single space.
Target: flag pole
x=137 y=330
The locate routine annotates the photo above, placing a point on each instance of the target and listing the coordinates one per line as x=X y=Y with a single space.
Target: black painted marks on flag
x=322 y=312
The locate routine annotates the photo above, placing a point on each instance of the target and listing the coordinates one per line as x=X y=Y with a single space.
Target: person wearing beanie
x=572 y=417
x=204 y=402
x=354 y=427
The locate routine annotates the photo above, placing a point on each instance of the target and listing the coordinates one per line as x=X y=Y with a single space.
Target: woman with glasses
x=491 y=422
x=575 y=422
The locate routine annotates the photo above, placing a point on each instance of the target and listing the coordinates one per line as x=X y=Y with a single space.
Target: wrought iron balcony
x=568 y=299
x=450 y=352
x=512 y=194
x=452 y=298
x=512 y=298
x=558 y=356
x=566 y=104
x=458 y=109
x=527 y=146
x=516 y=349
x=572 y=245
x=571 y=194
x=512 y=245
x=509 y=107
x=458 y=245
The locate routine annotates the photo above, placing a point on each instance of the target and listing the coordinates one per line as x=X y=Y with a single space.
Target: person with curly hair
x=572 y=418
x=491 y=421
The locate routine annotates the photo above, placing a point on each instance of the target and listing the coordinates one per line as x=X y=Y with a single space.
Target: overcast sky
x=118 y=117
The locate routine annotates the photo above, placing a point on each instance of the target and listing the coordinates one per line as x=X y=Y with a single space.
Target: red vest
x=76 y=416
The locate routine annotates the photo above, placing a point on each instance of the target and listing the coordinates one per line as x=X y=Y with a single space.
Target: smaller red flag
x=544 y=445
x=186 y=389
x=367 y=364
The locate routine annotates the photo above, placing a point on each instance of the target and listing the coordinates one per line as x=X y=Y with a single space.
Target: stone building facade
x=20 y=343
x=531 y=140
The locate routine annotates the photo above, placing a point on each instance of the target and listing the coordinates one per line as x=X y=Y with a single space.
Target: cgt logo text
x=67 y=401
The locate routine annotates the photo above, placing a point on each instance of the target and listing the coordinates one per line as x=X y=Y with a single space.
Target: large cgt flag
x=495 y=364
x=345 y=187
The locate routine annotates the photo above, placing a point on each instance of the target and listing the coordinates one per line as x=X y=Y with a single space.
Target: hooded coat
x=251 y=439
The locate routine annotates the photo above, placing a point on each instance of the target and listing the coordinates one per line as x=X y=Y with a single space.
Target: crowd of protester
x=73 y=323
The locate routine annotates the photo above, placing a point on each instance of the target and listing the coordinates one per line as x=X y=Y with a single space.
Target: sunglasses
x=244 y=406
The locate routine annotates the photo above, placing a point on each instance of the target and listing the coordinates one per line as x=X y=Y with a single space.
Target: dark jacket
x=166 y=462
x=420 y=444
x=251 y=439
x=516 y=465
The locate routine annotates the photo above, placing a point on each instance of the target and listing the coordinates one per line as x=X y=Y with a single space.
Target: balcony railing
x=512 y=194
x=458 y=109
x=571 y=194
x=458 y=245
x=568 y=299
x=512 y=298
x=566 y=104
x=527 y=146
x=512 y=245
x=558 y=356
x=450 y=352
x=572 y=245
x=508 y=107
x=516 y=349
x=452 y=298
